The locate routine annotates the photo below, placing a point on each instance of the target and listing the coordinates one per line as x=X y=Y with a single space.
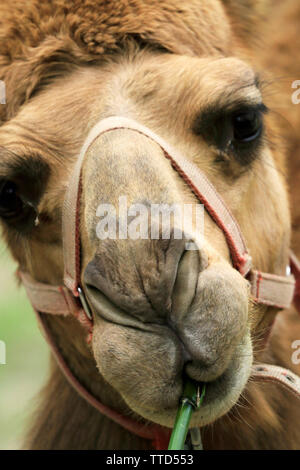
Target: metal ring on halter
x=85 y=304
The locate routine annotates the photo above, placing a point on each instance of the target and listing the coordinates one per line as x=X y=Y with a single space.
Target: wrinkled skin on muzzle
x=161 y=310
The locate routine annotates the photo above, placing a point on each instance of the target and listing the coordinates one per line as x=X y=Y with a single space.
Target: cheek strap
x=266 y=289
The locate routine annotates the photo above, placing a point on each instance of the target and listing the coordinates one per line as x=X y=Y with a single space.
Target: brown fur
x=51 y=56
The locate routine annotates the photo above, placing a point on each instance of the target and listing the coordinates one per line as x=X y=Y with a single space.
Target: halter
x=69 y=299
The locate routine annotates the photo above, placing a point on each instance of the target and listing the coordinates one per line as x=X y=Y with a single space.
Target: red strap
x=295 y=267
x=161 y=439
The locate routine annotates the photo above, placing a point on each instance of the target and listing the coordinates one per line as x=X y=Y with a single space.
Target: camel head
x=160 y=310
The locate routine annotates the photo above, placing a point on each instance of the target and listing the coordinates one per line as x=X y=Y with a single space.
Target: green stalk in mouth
x=193 y=395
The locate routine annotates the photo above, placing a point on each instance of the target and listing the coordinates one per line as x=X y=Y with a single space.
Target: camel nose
x=189 y=268
x=214 y=323
x=144 y=280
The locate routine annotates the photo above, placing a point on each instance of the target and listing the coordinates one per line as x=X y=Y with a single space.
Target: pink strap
x=54 y=300
x=279 y=375
x=272 y=290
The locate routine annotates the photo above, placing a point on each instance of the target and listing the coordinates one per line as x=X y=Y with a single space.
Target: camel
x=199 y=74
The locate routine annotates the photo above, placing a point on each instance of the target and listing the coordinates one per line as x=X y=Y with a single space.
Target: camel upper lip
x=183 y=292
x=106 y=309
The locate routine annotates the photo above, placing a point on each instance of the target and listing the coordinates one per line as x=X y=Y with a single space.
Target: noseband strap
x=267 y=289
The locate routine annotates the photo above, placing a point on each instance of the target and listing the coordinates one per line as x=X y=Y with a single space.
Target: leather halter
x=268 y=289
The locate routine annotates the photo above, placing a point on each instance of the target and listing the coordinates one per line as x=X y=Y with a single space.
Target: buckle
x=85 y=304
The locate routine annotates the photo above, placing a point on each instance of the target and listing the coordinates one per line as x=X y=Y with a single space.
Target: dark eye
x=247 y=126
x=236 y=134
x=11 y=205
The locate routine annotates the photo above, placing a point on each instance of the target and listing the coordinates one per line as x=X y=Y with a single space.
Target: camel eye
x=235 y=132
x=11 y=205
x=247 y=126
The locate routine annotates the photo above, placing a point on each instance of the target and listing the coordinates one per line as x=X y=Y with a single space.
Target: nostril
x=94 y=274
x=185 y=285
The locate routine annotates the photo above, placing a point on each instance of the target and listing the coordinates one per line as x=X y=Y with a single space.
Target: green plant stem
x=189 y=402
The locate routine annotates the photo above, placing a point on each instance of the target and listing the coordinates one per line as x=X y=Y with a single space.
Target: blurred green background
x=26 y=365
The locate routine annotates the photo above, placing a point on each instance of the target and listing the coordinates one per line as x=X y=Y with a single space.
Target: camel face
x=159 y=309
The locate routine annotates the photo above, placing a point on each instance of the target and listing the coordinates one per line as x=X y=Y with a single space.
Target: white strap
x=272 y=290
x=54 y=300
x=278 y=375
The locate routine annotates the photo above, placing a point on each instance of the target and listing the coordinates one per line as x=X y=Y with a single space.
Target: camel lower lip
x=222 y=393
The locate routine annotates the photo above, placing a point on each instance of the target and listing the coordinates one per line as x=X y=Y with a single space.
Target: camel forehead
x=146 y=80
x=206 y=80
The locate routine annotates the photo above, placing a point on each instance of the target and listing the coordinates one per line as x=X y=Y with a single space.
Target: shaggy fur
x=41 y=41
x=52 y=54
